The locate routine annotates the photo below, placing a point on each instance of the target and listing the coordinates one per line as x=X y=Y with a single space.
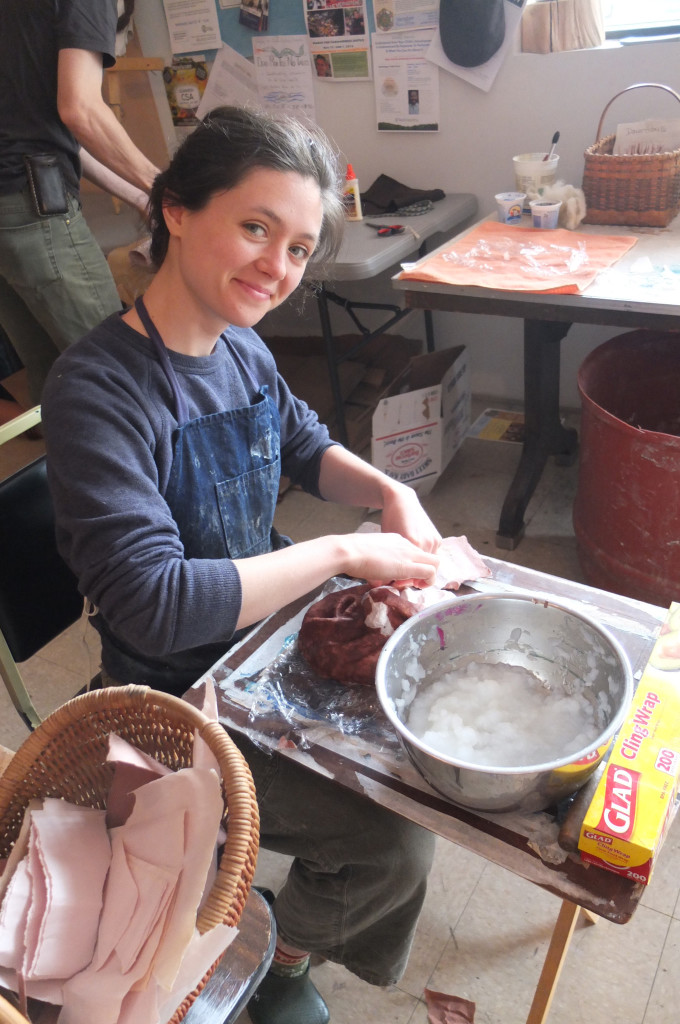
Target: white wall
x=532 y=96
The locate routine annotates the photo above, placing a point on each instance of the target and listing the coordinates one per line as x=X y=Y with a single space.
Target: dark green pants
x=359 y=875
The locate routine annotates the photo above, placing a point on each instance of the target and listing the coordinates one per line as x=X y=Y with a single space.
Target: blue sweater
x=109 y=421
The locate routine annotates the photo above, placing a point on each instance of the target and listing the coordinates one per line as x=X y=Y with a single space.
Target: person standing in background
x=55 y=127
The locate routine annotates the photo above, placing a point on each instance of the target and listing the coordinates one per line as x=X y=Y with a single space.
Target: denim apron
x=224 y=479
x=222 y=493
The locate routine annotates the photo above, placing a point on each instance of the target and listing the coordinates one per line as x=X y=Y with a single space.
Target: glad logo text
x=618 y=812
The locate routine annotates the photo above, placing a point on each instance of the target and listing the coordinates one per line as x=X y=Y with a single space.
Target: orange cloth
x=495 y=255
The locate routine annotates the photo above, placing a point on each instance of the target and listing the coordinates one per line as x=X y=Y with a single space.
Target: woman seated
x=167 y=429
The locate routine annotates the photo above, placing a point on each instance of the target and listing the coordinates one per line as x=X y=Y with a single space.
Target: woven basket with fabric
x=66 y=757
x=635 y=189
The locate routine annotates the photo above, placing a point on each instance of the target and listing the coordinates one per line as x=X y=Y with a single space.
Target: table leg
x=334 y=377
x=396 y=314
x=429 y=330
x=544 y=433
x=552 y=967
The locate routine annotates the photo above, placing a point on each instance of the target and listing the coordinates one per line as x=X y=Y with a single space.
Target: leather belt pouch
x=47 y=184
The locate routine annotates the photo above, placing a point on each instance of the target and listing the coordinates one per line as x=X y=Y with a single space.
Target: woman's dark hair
x=229 y=144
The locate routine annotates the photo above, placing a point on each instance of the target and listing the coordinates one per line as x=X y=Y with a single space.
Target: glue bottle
x=352 y=196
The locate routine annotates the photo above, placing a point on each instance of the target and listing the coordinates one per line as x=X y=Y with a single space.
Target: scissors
x=384 y=230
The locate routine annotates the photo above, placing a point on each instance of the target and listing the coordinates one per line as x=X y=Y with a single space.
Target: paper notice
x=284 y=74
x=232 y=81
x=647 y=137
x=192 y=25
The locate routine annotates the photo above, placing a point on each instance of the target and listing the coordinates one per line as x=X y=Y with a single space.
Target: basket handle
x=638 y=85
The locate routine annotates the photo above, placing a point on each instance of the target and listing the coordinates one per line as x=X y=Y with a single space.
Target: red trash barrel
x=627 y=506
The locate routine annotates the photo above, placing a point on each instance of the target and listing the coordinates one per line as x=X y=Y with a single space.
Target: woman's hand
x=269 y=581
x=387 y=558
x=346 y=478
x=403 y=513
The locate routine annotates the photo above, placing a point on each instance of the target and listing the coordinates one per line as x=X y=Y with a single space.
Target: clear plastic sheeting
x=507 y=258
x=536 y=256
x=284 y=697
x=277 y=695
x=289 y=689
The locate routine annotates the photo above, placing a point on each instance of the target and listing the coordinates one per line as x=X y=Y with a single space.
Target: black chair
x=38 y=593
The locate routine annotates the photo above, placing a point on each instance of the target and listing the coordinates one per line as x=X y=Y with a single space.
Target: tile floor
x=483 y=933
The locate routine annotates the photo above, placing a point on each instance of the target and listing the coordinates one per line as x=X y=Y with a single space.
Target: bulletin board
x=286 y=18
x=273 y=52
x=287 y=49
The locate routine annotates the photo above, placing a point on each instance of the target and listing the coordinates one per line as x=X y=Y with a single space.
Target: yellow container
x=634 y=803
x=352 y=196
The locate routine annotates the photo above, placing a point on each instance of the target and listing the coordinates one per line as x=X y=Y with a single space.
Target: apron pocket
x=247 y=504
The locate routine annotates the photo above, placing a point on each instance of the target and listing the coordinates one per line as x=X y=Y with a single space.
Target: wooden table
x=369 y=759
x=641 y=290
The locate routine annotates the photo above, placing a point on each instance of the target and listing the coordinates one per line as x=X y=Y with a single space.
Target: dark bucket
x=627 y=507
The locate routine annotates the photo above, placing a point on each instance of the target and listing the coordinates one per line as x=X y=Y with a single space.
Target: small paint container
x=533 y=173
x=510 y=206
x=544 y=214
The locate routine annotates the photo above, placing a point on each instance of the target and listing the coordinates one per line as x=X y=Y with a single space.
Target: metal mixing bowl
x=562 y=647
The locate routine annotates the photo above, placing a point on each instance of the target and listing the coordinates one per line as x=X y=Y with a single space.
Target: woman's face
x=246 y=250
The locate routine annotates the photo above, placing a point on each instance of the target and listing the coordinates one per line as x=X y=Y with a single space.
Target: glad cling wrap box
x=634 y=802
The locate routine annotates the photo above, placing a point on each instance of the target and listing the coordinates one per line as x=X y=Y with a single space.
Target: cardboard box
x=635 y=800
x=364 y=379
x=418 y=428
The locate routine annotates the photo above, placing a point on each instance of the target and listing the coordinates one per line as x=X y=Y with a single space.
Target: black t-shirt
x=32 y=32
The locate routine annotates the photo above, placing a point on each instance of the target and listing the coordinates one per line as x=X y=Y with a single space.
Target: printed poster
x=185 y=82
x=406 y=83
x=283 y=70
x=339 y=39
x=192 y=25
x=405 y=15
x=254 y=14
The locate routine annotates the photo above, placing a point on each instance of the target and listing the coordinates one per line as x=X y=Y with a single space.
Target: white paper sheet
x=192 y=25
x=647 y=137
x=232 y=81
x=284 y=74
x=406 y=82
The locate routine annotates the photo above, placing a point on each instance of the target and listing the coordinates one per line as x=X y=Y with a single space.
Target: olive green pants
x=55 y=283
x=358 y=879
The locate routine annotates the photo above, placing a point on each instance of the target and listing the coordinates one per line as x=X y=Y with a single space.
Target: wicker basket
x=66 y=757
x=633 y=190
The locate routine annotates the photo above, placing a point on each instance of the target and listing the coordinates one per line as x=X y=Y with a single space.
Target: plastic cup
x=544 y=213
x=533 y=174
x=510 y=206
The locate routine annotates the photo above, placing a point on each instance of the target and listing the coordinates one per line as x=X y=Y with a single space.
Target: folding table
x=641 y=290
